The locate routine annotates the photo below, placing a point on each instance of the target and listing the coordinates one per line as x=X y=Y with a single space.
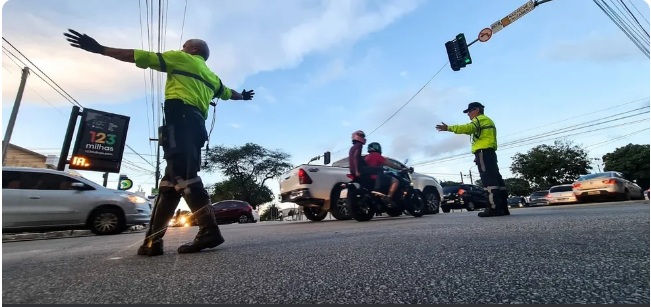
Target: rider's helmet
x=374 y=147
x=359 y=136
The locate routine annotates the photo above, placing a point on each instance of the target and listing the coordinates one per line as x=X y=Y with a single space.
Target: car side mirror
x=411 y=170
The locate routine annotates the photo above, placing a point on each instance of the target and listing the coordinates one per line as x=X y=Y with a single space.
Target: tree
x=631 y=160
x=449 y=183
x=270 y=213
x=518 y=186
x=549 y=165
x=247 y=169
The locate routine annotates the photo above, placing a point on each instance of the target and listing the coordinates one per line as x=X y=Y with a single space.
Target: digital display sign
x=100 y=143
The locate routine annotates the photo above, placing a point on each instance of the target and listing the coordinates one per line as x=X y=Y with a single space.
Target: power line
x=35 y=66
x=405 y=104
x=183 y=24
x=635 y=7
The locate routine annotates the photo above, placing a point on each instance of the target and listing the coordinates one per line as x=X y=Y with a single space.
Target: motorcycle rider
x=375 y=160
x=355 y=161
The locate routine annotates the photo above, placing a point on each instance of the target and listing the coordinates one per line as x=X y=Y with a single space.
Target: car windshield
x=560 y=188
x=594 y=176
x=539 y=193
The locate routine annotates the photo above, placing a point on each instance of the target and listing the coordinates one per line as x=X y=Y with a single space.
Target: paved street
x=589 y=253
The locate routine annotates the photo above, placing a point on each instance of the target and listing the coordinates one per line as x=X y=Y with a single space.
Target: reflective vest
x=482 y=131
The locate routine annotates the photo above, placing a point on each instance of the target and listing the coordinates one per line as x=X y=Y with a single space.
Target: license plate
x=343 y=193
x=593 y=193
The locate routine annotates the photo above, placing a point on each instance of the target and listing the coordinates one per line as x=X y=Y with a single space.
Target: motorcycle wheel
x=417 y=203
x=361 y=208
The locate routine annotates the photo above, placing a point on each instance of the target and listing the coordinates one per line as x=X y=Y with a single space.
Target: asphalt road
x=591 y=253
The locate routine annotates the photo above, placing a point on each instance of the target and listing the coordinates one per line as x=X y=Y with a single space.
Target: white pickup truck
x=317 y=188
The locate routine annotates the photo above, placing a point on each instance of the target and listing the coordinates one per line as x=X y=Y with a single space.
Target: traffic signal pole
x=457 y=49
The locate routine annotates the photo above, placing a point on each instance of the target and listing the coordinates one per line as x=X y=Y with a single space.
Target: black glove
x=247 y=95
x=84 y=41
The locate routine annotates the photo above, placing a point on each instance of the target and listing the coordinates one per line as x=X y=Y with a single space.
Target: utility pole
x=105 y=176
x=470 y=175
x=461 y=174
x=14 y=114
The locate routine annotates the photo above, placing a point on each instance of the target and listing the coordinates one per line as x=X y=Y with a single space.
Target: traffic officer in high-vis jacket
x=189 y=89
x=484 y=144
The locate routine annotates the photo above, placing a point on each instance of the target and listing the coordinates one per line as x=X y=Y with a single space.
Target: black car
x=516 y=202
x=464 y=196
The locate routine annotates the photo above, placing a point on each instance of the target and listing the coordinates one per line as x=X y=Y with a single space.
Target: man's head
x=474 y=109
x=197 y=46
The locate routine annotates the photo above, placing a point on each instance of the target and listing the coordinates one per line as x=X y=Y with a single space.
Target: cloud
x=411 y=133
x=403 y=73
x=235 y=126
x=246 y=38
x=595 y=47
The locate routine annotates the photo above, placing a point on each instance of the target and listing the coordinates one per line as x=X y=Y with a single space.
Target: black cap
x=473 y=105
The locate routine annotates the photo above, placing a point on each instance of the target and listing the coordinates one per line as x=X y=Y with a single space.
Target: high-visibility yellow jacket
x=482 y=131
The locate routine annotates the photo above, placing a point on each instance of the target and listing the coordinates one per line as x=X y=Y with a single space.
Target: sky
x=323 y=69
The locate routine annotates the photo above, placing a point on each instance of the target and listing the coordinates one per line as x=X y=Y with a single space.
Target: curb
x=30 y=236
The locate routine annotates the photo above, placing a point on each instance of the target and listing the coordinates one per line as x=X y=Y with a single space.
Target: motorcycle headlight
x=182 y=220
x=134 y=199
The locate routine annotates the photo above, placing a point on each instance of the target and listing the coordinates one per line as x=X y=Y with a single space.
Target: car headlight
x=182 y=220
x=134 y=199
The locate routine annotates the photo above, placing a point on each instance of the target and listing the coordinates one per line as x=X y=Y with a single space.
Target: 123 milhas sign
x=101 y=139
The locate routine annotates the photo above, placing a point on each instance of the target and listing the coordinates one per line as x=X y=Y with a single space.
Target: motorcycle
x=364 y=204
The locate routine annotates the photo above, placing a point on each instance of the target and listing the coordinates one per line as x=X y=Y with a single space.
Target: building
x=22 y=157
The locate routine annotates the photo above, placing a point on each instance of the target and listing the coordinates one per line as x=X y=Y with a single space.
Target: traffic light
x=458 y=52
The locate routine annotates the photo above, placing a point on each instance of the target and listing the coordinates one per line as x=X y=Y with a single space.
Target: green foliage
x=549 y=165
x=449 y=183
x=247 y=169
x=631 y=160
x=518 y=186
x=270 y=213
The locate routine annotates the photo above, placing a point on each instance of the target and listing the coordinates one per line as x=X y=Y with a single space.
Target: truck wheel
x=338 y=207
x=314 y=213
x=433 y=201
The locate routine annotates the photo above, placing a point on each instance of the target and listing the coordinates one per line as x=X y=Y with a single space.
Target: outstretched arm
x=244 y=95
x=89 y=44
x=125 y=55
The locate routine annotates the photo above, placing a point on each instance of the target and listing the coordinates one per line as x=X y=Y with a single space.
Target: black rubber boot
x=488 y=212
x=209 y=235
x=504 y=195
x=160 y=218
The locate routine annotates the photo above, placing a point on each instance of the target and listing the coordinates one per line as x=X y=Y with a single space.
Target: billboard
x=100 y=143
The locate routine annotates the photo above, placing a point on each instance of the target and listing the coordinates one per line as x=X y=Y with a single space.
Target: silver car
x=561 y=194
x=606 y=184
x=39 y=199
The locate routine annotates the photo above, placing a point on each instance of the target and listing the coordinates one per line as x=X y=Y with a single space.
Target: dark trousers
x=491 y=179
x=182 y=138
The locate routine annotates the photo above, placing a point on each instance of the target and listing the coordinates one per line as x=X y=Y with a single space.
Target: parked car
x=516 y=201
x=235 y=211
x=464 y=196
x=561 y=194
x=606 y=185
x=539 y=198
x=45 y=199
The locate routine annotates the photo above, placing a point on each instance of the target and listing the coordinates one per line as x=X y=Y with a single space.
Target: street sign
x=101 y=139
x=485 y=35
x=515 y=15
